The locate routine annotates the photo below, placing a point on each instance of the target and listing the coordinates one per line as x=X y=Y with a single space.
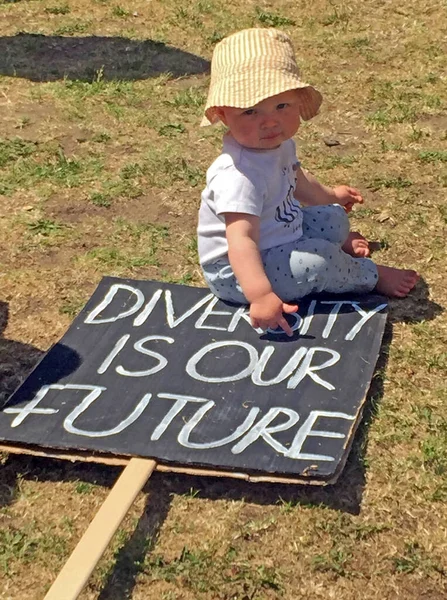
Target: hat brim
x=310 y=101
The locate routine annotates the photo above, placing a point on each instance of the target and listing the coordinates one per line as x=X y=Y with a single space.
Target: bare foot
x=356 y=245
x=395 y=282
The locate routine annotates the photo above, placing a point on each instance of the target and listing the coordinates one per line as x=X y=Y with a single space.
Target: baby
x=257 y=244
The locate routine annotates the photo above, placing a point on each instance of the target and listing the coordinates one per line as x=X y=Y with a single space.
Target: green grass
x=49 y=166
x=72 y=28
x=15 y=545
x=101 y=137
x=119 y=11
x=194 y=567
x=14 y=149
x=62 y=9
x=158 y=169
x=71 y=307
x=84 y=488
x=403 y=101
x=335 y=18
x=145 y=244
x=123 y=92
x=100 y=199
x=188 y=98
x=358 y=42
x=171 y=129
x=430 y=156
x=415 y=558
x=331 y=162
x=113 y=258
x=27 y=546
x=335 y=561
x=398 y=183
x=44 y=227
x=269 y=19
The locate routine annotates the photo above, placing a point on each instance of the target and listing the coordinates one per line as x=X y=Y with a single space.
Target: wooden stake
x=84 y=558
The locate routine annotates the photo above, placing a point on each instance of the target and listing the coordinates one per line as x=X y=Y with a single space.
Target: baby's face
x=265 y=125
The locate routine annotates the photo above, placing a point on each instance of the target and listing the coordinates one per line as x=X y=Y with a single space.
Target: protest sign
x=168 y=372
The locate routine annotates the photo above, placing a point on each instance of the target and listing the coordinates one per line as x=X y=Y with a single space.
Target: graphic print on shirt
x=289 y=210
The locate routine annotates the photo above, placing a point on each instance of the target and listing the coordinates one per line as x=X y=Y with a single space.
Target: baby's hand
x=347 y=196
x=267 y=312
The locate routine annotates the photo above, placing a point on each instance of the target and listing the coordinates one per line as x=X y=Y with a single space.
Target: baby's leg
x=330 y=222
x=222 y=282
x=315 y=265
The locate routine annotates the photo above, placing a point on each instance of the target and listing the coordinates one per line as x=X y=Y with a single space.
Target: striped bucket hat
x=252 y=65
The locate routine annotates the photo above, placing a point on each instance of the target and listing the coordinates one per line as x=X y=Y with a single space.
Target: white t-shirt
x=255 y=182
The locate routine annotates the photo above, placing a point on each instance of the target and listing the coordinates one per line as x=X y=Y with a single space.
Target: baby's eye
x=282 y=105
x=249 y=111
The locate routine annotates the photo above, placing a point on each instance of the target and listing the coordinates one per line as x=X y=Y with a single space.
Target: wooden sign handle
x=84 y=558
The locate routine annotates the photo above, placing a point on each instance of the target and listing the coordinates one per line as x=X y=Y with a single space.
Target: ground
x=101 y=166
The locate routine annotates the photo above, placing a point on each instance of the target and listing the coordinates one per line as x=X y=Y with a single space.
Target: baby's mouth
x=270 y=136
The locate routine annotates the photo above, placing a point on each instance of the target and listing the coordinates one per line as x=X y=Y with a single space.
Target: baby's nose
x=269 y=121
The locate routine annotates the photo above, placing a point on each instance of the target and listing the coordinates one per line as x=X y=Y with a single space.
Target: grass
x=398 y=183
x=111 y=258
x=72 y=28
x=62 y=9
x=44 y=227
x=102 y=161
x=49 y=165
x=171 y=129
x=189 y=98
x=429 y=156
x=194 y=567
x=415 y=558
x=269 y=19
x=14 y=149
x=100 y=199
x=26 y=546
x=119 y=11
x=335 y=561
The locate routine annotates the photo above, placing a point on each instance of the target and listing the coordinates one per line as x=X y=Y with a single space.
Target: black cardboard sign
x=169 y=372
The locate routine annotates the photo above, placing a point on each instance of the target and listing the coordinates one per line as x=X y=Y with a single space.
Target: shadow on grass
x=48 y=58
x=17 y=360
x=417 y=307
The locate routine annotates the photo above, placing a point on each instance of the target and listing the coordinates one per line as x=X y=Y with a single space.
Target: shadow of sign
x=16 y=361
x=48 y=58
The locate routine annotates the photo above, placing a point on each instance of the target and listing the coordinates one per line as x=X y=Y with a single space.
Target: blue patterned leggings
x=313 y=263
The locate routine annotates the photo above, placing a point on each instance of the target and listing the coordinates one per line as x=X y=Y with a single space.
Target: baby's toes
x=362 y=251
x=408 y=281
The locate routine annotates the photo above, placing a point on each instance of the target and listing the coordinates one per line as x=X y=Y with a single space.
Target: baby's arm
x=266 y=308
x=311 y=192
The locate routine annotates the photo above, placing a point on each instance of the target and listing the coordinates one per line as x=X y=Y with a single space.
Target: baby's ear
x=219 y=111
